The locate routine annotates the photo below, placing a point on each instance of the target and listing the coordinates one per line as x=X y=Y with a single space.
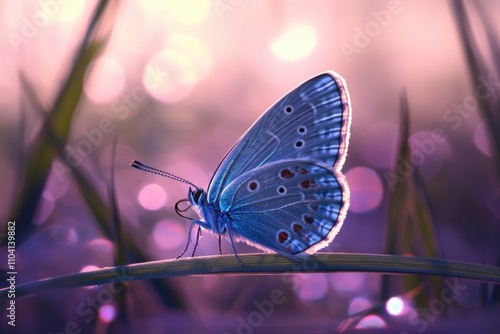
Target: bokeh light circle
x=198 y=54
x=366 y=189
x=371 y=321
x=312 y=286
x=64 y=11
x=481 y=139
x=104 y=80
x=346 y=282
x=168 y=234
x=45 y=207
x=152 y=197
x=359 y=304
x=169 y=76
x=107 y=313
x=189 y=11
x=294 y=43
x=88 y=268
x=394 y=306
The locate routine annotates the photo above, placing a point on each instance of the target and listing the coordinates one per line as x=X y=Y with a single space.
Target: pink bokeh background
x=180 y=81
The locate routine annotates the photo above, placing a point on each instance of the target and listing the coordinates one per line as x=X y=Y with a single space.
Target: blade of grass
x=397 y=197
x=421 y=213
x=491 y=34
x=410 y=222
x=425 y=228
x=266 y=264
x=488 y=106
x=41 y=152
x=100 y=210
x=120 y=249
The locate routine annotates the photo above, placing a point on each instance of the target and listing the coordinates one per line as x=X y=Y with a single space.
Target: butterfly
x=280 y=187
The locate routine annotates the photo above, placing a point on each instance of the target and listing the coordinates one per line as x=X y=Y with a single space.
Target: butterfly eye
x=299 y=143
x=197 y=196
x=281 y=190
x=288 y=109
x=253 y=185
x=301 y=130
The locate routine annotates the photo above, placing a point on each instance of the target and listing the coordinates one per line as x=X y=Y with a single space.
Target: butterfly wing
x=312 y=121
x=289 y=206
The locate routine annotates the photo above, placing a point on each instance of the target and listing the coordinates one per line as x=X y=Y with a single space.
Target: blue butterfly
x=280 y=187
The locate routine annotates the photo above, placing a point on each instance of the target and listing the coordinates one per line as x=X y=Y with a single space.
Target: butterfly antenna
x=180 y=211
x=152 y=170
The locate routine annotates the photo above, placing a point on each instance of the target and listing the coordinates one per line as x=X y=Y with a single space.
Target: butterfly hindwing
x=289 y=206
x=311 y=122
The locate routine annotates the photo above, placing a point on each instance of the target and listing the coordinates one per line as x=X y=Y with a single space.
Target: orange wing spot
x=287 y=174
x=282 y=237
x=297 y=228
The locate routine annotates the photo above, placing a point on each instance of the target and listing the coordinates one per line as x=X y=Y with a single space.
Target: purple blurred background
x=179 y=82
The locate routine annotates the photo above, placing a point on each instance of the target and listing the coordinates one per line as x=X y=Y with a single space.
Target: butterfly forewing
x=290 y=206
x=311 y=121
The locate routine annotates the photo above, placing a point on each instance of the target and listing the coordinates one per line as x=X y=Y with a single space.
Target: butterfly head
x=196 y=197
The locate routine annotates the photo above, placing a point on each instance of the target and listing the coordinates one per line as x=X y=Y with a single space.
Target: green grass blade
x=99 y=207
x=397 y=197
x=266 y=264
x=41 y=152
x=410 y=222
x=488 y=106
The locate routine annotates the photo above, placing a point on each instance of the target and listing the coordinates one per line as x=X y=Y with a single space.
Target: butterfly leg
x=198 y=235
x=234 y=248
x=189 y=239
x=220 y=248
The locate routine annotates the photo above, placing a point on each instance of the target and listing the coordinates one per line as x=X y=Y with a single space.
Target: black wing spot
x=301 y=130
x=308 y=219
x=299 y=143
x=313 y=207
x=288 y=109
x=281 y=190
